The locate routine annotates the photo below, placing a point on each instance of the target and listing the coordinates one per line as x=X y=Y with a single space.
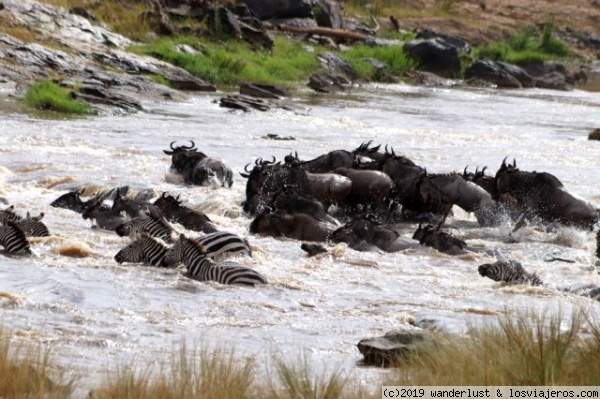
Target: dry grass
x=525 y=350
x=27 y=372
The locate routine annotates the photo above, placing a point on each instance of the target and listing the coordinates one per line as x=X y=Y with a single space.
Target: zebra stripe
x=199 y=267
x=155 y=227
x=144 y=249
x=221 y=243
x=509 y=272
x=33 y=226
x=13 y=239
x=8 y=215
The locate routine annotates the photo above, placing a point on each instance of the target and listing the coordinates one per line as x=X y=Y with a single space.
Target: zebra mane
x=201 y=248
x=17 y=229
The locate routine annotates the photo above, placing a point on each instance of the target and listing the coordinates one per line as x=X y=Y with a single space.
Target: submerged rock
x=386 y=351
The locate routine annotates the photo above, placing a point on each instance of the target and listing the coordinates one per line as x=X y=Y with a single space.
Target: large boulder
x=501 y=74
x=267 y=9
x=435 y=55
x=460 y=44
x=388 y=350
x=595 y=135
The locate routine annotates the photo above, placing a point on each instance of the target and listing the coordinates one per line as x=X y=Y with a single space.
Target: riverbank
x=79 y=48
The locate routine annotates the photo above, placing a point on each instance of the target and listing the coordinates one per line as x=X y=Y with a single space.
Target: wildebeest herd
x=344 y=196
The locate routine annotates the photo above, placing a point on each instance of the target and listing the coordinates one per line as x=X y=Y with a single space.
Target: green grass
x=525 y=48
x=234 y=62
x=47 y=95
x=393 y=56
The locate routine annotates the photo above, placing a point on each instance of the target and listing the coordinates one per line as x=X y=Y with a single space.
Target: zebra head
x=174 y=254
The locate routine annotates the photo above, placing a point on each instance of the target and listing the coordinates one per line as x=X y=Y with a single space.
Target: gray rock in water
x=386 y=351
x=595 y=135
x=262 y=91
x=499 y=73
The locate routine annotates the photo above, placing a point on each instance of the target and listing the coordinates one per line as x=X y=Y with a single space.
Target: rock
x=328 y=83
x=247 y=103
x=337 y=66
x=328 y=14
x=267 y=9
x=262 y=91
x=499 y=73
x=313 y=249
x=459 y=44
x=554 y=81
x=595 y=135
x=387 y=350
x=435 y=55
x=424 y=78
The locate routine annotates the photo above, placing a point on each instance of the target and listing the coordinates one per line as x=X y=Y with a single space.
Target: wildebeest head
x=71 y=200
x=437 y=239
x=265 y=178
x=183 y=156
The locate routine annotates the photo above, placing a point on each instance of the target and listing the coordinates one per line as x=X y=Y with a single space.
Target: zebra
x=510 y=271
x=145 y=249
x=13 y=239
x=33 y=226
x=202 y=268
x=221 y=243
x=9 y=214
x=153 y=223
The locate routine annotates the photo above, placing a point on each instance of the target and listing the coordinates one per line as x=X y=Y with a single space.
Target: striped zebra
x=154 y=224
x=13 y=239
x=513 y=272
x=9 y=214
x=509 y=272
x=202 y=268
x=221 y=244
x=33 y=226
x=145 y=249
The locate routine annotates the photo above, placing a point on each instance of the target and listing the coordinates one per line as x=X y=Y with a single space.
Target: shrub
x=47 y=95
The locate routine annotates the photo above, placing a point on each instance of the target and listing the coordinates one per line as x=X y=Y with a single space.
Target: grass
x=27 y=372
x=525 y=48
x=233 y=62
x=47 y=95
x=530 y=349
x=393 y=56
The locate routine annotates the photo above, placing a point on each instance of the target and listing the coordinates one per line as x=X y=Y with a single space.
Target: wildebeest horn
x=504 y=163
x=483 y=170
x=514 y=163
x=465 y=171
x=246 y=168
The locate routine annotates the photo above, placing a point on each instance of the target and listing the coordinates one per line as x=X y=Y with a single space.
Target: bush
x=47 y=95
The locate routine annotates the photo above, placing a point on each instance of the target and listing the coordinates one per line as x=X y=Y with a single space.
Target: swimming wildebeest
x=264 y=180
x=73 y=201
x=542 y=195
x=299 y=226
x=452 y=189
x=197 y=168
x=172 y=209
x=432 y=237
x=289 y=200
x=323 y=163
x=363 y=234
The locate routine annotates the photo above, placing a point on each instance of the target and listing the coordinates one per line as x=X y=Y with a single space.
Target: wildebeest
x=289 y=200
x=73 y=201
x=265 y=179
x=328 y=188
x=104 y=218
x=323 y=163
x=370 y=189
x=197 y=168
x=363 y=234
x=299 y=226
x=452 y=189
x=432 y=237
x=131 y=206
x=541 y=194
x=172 y=209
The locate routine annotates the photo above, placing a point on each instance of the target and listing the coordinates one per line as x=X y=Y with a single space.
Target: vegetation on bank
x=527 y=350
x=525 y=48
x=47 y=95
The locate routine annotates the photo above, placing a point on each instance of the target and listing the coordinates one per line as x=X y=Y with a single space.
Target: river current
x=96 y=315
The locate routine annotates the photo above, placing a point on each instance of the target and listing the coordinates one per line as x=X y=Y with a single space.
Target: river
x=95 y=314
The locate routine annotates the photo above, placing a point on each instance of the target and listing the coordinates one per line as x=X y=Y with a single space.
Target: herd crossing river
x=96 y=314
